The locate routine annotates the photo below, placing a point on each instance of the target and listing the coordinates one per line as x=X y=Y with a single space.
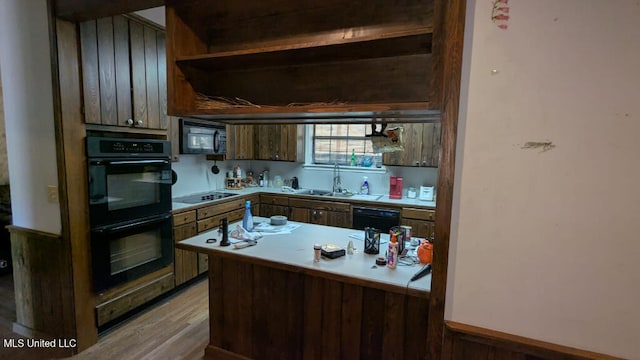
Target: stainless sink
x=317 y=192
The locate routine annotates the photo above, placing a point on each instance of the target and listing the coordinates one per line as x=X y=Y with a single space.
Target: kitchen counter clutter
x=295 y=249
x=272 y=301
x=381 y=199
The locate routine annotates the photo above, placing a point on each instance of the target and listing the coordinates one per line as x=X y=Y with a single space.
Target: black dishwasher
x=382 y=219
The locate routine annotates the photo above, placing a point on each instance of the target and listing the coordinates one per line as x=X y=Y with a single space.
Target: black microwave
x=202 y=137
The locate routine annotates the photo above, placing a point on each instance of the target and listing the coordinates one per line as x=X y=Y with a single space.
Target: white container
x=426 y=193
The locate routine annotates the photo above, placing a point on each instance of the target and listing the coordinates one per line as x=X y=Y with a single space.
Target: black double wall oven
x=129 y=208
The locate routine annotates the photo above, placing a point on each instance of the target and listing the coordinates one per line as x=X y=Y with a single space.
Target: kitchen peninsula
x=272 y=300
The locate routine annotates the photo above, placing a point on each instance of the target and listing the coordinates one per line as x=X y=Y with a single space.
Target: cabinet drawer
x=320 y=205
x=214 y=221
x=274 y=200
x=218 y=209
x=420 y=214
x=131 y=300
x=184 y=231
x=184 y=217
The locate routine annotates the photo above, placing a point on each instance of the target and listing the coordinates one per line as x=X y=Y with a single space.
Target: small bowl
x=278 y=220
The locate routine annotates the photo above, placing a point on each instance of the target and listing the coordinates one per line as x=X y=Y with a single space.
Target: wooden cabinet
x=421 y=146
x=274 y=205
x=320 y=212
x=276 y=142
x=173 y=130
x=229 y=59
x=185 y=262
x=422 y=221
x=123 y=73
x=240 y=142
x=279 y=142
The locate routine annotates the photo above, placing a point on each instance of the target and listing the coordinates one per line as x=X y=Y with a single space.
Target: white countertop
x=296 y=249
x=374 y=198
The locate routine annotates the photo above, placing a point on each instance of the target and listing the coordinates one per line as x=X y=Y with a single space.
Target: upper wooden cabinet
x=283 y=59
x=124 y=73
x=276 y=142
x=240 y=142
x=421 y=146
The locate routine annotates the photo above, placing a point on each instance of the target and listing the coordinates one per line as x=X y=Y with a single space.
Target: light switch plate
x=52 y=193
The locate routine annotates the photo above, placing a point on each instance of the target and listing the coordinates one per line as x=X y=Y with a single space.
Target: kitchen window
x=334 y=143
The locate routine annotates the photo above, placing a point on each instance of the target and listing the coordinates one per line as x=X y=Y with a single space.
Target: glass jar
x=412 y=193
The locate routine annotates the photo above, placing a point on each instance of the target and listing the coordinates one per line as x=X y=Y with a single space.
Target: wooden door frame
x=449 y=20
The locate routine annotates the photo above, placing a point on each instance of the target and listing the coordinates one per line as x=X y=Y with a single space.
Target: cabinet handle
x=138 y=122
x=129 y=122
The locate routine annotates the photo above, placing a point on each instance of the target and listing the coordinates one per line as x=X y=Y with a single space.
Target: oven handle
x=130 y=225
x=128 y=162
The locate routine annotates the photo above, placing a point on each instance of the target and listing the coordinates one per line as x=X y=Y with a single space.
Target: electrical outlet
x=52 y=193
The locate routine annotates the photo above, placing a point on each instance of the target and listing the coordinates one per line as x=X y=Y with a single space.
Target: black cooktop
x=198 y=198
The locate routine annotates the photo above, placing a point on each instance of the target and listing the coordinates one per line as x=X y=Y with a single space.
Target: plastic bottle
x=353 y=157
x=364 y=188
x=392 y=256
x=247 y=221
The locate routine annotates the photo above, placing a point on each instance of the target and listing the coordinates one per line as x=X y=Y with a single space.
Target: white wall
x=194 y=175
x=28 y=109
x=546 y=244
x=4 y=162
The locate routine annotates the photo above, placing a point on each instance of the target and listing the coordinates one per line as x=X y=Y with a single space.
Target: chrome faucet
x=337 y=185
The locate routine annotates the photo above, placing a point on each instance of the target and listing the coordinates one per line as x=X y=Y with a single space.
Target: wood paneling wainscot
x=471 y=342
x=262 y=312
x=43 y=284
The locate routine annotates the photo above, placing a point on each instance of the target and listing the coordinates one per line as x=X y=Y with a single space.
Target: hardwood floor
x=175 y=328
x=7 y=302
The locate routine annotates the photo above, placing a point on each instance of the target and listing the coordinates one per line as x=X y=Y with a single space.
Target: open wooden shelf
x=341 y=45
x=336 y=59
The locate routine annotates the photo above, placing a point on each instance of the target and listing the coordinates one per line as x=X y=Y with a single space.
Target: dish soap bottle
x=364 y=188
x=353 y=157
x=392 y=255
x=247 y=221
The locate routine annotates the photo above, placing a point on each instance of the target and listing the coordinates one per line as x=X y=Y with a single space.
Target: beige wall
x=544 y=244
x=4 y=169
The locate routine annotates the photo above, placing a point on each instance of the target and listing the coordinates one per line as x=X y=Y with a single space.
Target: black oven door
x=125 y=189
x=129 y=250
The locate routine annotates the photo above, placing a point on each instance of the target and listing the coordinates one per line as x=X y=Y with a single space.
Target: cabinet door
x=318 y=216
x=185 y=262
x=420 y=228
x=276 y=142
x=412 y=143
x=421 y=142
x=339 y=219
x=299 y=214
x=430 y=145
x=240 y=142
x=124 y=75
x=271 y=210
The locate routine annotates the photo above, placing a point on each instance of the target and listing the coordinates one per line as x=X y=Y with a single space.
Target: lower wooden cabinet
x=185 y=262
x=186 y=224
x=320 y=212
x=422 y=221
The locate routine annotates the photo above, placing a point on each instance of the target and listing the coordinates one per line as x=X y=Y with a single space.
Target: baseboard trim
x=458 y=334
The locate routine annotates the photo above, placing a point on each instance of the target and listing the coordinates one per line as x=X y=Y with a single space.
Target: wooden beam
x=81 y=10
